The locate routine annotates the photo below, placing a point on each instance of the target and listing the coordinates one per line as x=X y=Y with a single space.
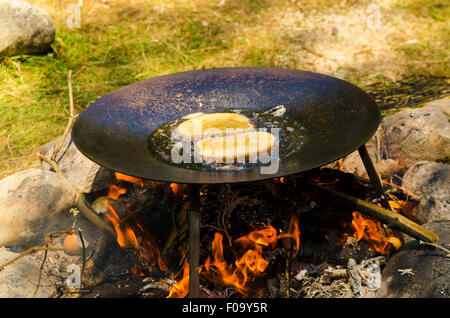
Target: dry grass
x=121 y=42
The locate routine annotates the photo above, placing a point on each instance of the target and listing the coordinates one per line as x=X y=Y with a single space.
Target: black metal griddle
x=113 y=131
x=339 y=118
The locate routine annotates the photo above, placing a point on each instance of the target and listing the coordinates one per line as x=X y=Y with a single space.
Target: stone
x=353 y=163
x=25 y=28
x=385 y=167
x=84 y=174
x=17 y=279
x=431 y=181
x=31 y=203
x=418 y=134
x=443 y=104
x=418 y=270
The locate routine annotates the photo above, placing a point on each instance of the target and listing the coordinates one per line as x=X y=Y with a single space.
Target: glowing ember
x=136 y=271
x=373 y=232
x=328 y=183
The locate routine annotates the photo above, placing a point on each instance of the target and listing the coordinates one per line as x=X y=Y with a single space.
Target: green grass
x=129 y=41
x=438 y=10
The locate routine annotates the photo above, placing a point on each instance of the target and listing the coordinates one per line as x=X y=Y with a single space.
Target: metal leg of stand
x=194 y=241
x=373 y=175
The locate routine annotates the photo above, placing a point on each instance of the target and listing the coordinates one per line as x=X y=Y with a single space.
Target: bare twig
x=71 y=113
x=404 y=190
x=34 y=249
x=84 y=252
x=9 y=146
x=31 y=250
x=52 y=164
x=436 y=246
x=40 y=270
x=307 y=49
x=48 y=240
x=80 y=201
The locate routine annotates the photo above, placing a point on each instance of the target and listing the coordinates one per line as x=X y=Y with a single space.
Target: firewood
x=386 y=216
x=80 y=201
x=335 y=273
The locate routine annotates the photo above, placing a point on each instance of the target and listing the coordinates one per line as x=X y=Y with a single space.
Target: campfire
x=238 y=263
x=287 y=227
x=232 y=141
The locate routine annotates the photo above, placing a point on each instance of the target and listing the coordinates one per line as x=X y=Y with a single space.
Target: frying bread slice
x=212 y=124
x=235 y=148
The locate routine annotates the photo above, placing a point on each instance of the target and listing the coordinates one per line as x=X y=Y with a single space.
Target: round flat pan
x=113 y=131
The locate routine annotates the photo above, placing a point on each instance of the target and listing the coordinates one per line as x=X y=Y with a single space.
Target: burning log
x=388 y=217
x=373 y=232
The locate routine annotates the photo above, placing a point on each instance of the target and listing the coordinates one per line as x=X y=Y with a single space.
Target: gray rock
x=31 y=203
x=419 y=271
x=84 y=174
x=25 y=28
x=353 y=163
x=418 y=134
x=431 y=181
x=443 y=104
x=385 y=167
x=17 y=279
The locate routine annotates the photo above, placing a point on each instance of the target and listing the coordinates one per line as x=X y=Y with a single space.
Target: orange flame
x=114 y=192
x=179 y=189
x=397 y=205
x=138 y=238
x=251 y=264
x=293 y=233
x=248 y=267
x=374 y=233
x=148 y=249
x=124 y=177
x=280 y=179
x=132 y=235
x=125 y=235
x=341 y=164
x=181 y=289
x=217 y=269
